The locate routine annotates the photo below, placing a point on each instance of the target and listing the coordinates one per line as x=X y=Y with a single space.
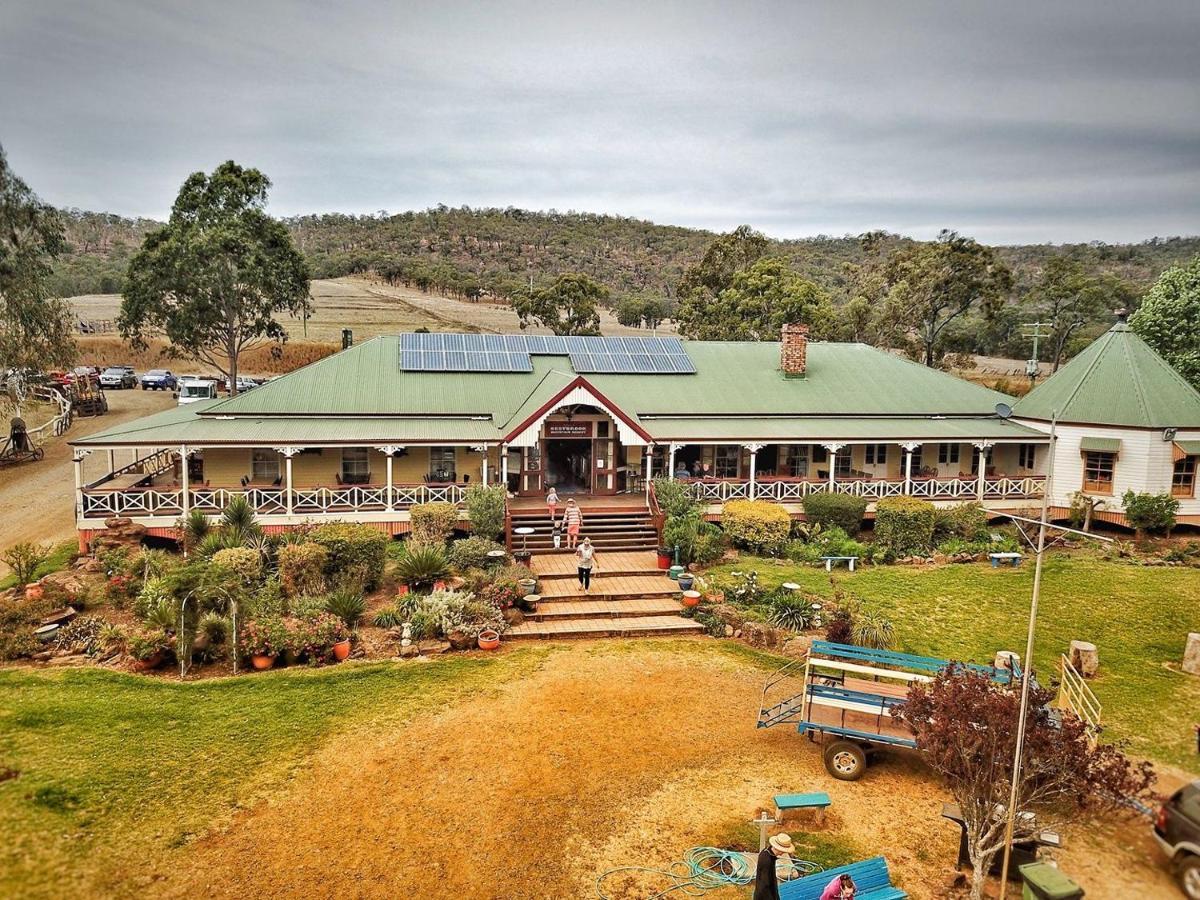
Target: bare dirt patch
x=611 y=754
x=37 y=498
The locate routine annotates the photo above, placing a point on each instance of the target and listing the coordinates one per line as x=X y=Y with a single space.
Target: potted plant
x=341 y=649
x=149 y=648
x=489 y=639
x=528 y=585
x=691 y=599
x=402 y=590
x=666 y=556
x=522 y=557
x=263 y=639
x=685 y=581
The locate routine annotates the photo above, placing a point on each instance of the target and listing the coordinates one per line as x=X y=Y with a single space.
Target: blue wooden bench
x=1011 y=559
x=785 y=803
x=871 y=876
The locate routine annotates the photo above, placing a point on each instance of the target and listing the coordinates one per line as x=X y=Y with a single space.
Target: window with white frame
x=876 y=454
x=841 y=463
x=264 y=466
x=1026 y=455
x=727 y=460
x=355 y=465
x=948 y=454
x=442 y=464
x=795 y=461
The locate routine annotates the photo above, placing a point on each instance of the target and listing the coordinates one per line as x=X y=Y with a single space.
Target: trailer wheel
x=845 y=761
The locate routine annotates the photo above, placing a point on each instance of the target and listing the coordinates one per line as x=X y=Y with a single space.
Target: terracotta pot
x=489 y=639
x=402 y=590
x=691 y=599
x=716 y=597
x=439 y=585
x=341 y=650
x=34 y=591
x=152 y=662
x=262 y=661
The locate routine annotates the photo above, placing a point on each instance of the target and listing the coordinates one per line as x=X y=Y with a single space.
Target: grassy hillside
x=468 y=253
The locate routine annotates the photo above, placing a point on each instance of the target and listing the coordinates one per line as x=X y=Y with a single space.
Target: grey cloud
x=1013 y=121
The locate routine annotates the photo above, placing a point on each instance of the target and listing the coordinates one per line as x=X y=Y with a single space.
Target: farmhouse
x=1126 y=421
x=401 y=420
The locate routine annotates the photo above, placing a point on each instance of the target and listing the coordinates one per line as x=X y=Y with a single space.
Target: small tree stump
x=1085 y=658
x=1191 y=654
x=1006 y=659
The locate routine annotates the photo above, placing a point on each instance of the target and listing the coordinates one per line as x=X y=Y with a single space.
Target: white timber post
x=753 y=450
x=648 y=461
x=78 y=456
x=186 y=500
x=671 y=461
x=982 y=447
x=287 y=453
x=833 y=452
x=483 y=448
x=504 y=465
x=908 y=454
x=389 y=451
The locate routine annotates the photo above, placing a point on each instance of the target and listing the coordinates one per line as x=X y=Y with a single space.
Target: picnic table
x=1008 y=558
x=850 y=561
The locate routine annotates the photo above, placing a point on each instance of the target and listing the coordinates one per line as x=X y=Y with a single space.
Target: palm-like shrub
x=872 y=629
x=193 y=528
x=390 y=616
x=421 y=565
x=791 y=611
x=348 y=605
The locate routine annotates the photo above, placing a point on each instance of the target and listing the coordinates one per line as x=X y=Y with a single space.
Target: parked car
x=118 y=378
x=194 y=389
x=244 y=383
x=1177 y=830
x=158 y=380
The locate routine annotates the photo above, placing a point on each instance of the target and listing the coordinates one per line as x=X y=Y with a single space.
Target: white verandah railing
x=787 y=490
x=99 y=503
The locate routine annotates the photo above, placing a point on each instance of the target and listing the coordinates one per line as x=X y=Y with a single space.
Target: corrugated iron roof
x=805 y=429
x=1117 y=380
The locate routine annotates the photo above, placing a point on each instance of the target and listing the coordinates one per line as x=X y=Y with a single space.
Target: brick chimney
x=793 y=350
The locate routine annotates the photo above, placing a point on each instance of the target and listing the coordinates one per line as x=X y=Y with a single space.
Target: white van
x=194 y=389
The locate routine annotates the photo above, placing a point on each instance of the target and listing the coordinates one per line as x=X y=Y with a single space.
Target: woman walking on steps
x=585 y=559
x=573 y=519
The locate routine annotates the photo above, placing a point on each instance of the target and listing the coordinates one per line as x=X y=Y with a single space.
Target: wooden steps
x=630 y=597
x=638 y=626
x=609 y=530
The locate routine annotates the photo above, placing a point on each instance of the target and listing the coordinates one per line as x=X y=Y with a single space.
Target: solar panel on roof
x=450 y=352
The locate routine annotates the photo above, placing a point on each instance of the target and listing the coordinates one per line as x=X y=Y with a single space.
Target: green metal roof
x=1117 y=380
x=361 y=394
x=804 y=429
x=1100 y=444
x=1191 y=448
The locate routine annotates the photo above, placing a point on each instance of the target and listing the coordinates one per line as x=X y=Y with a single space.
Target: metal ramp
x=790 y=709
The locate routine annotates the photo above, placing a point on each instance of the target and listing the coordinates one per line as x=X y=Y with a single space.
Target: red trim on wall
x=579 y=381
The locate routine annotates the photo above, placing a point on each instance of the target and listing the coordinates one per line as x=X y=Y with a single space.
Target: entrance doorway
x=569 y=465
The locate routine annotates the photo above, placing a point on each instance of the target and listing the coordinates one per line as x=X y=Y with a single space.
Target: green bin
x=1046 y=882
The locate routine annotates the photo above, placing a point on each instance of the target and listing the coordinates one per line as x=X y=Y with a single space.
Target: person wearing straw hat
x=766 y=881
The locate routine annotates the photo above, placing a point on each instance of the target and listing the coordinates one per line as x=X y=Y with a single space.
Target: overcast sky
x=1012 y=121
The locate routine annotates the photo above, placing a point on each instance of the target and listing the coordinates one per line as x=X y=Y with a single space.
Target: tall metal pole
x=1027 y=661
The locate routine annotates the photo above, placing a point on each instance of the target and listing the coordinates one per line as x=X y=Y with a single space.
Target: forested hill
x=467 y=251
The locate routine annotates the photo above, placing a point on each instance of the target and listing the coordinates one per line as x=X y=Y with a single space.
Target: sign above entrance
x=568 y=429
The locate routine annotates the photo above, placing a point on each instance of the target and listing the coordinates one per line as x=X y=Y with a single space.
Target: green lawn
x=110 y=766
x=1137 y=616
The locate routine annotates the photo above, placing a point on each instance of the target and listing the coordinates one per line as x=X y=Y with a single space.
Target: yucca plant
x=872 y=629
x=211 y=543
x=792 y=612
x=348 y=605
x=162 y=615
x=390 y=616
x=194 y=528
x=421 y=565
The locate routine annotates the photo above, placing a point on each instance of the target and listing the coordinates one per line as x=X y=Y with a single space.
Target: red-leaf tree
x=966 y=725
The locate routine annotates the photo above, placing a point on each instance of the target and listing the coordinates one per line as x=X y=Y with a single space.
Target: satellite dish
x=1003 y=410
